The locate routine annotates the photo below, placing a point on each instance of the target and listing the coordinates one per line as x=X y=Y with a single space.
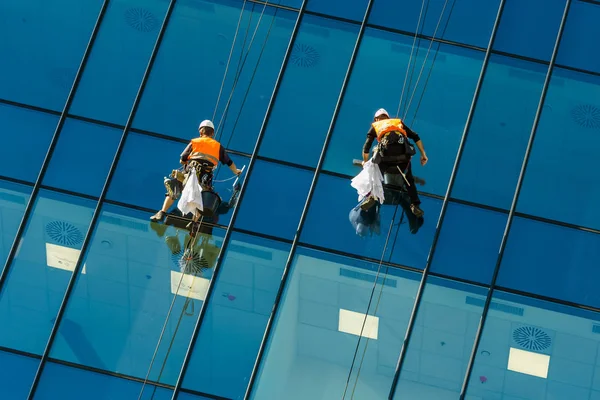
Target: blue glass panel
x=82 y=157
x=524 y=32
x=40 y=272
x=13 y=200
x=441 y=106
x=327 y=223
x=42 y=48
x=545 y=351
x=26 y=136
x=114 y=71
x=187 y=396
x=499 y=132
x=553 y=261
x=140 y=182
x=561 y=181
x=236 y=317
x=69 y=383
x=354 y=10
x=17 y=375
x=306 y=100
x=580 y=37
x=471 y=21
x=198 y=53
x=441 y=342
x=469 y=242
x=274 y=199
x=133 y=274
x=311 y=348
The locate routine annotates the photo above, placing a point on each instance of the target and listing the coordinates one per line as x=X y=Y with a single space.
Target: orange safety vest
x=205 y=148
x=388 y=125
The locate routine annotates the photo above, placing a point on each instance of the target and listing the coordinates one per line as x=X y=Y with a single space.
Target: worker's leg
x=412 y=190
x=159 y=216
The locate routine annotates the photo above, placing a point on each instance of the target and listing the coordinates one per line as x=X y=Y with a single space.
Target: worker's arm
x=186 y=153
x=417 y=139
x=368 y=143
x=225 y=160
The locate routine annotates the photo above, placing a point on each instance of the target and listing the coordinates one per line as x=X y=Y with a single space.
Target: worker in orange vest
x=394 y=151
x=203 y=153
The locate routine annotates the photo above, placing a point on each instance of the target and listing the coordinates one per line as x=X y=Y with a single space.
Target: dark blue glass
x=146 y=160
x=524 y=32
x=471 y=21
x=82 y=157
x=40 y=272
x=197 y=54
x=69 y=383
x=561 y=181
x=534 y=349
x=553 y=261
x=354 y=10
x=499 y=132
x=437 y=111
x=134 y=272
x=26 y=135
x=274 y=199
x=13 y=200
x=187 y=396
x=309 y=90
x=310 y=351
x=17 y=375
x=236 y=317
x=42 y=47
x=469 y=242
x=114 y=71
x=580 y=37
x=441 y=342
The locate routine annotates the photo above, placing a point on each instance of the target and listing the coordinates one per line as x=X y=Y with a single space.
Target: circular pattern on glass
x=190 y=262
x=586 y=115
x=140 y=19
x=304 y=56
x=531 y=338
x=64 y=233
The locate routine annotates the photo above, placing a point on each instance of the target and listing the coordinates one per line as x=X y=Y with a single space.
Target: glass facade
x=285 y=300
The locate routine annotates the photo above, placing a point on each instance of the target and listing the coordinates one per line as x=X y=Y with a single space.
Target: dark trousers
x=391 y=168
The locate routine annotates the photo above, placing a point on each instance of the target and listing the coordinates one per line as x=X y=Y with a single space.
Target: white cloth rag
x=191 y=196
x=369 y=181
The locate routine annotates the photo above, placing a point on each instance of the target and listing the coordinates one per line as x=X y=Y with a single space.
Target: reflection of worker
x=202 y=153
x=394 y=151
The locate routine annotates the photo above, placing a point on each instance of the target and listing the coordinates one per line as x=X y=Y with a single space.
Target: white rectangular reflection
x=352 y=322
x=527 y=362
x=191 y=286
x=62 y=257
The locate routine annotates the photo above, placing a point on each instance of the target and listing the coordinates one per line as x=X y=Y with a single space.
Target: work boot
x=416 y=210
x=368 y=203
x=159 y=216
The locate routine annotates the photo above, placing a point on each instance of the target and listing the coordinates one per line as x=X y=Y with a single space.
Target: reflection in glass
x=17 y=375
x=70 y=383
x=274 y=199
x=114 y=71
x=237 y=315
x=81 y=161
x=499 y=132
x=534 y=349
x=184 y=85
x=314 y=77
x=471 y=21
x=522 y=32
x=578 y=42
x=552 y=260
x=469 y=242
x=311 y=348
x=561 y=181
x=41 y=270
x=42 y=48
x=119 y=306
x=441 y=106
x=26 y=136
x=441 y=341
x=354 y=10
x=13 y=200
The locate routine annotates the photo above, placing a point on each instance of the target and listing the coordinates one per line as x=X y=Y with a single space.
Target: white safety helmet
x=381 y=112
x=206 y=123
